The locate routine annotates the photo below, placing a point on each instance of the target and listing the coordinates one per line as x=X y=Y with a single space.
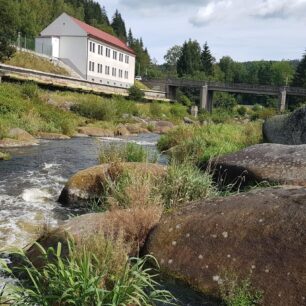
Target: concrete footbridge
x=207 y=90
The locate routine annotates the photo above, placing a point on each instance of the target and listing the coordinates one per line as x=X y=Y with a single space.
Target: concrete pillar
x=171 y=92
x=206 y=98
x=282 y=99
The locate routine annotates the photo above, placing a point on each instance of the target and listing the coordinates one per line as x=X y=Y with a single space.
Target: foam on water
x=122 y=140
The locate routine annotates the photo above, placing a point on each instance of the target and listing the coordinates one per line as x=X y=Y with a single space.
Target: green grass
x=22 y=106
x=85 y=279
x=5 y=156
x=31 y=61
x=125 y=153
x=202 y=143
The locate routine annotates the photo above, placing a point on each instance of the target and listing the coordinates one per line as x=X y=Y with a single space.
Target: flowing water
x=31 y=182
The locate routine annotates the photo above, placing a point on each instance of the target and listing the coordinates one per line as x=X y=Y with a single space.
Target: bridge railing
x=234 y=86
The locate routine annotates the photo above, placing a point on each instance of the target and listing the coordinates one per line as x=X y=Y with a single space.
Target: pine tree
x=130 y=38
x=119 y=26
x=207 y=60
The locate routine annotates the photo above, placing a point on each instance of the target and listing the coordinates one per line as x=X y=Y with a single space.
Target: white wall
x=112 y=63
x=63 y=26
x=73 y=52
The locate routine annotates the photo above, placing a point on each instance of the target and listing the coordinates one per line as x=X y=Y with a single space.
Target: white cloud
x=280 y=8
x=214 y=10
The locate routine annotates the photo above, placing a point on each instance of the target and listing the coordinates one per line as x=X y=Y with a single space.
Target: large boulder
x=136 y=128
x=95 y=131
x=89 y=184
x=17 y=137
x=131 y=225
x=286 y=129
x=258 y=235
x=274 y=163
x=162 y=126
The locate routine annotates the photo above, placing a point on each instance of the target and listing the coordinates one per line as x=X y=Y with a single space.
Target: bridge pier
x=171 y=92
x=206 y=98
x=282 y=99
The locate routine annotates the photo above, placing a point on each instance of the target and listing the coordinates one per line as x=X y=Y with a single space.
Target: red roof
x=100 y=35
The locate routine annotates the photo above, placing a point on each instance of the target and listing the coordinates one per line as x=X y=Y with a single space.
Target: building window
x=121 y=57
x=114 y=55
x=91 y=66
x=92 y=47
x=107 y=52
x=114 y=72
x=126 y=74
x=100 y=49
x=100 y=68
x=127 y=59
x=120 y=73
x=107 y=70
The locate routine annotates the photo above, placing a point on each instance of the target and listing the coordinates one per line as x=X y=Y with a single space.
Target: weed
x=30 y=90
x=235 y=293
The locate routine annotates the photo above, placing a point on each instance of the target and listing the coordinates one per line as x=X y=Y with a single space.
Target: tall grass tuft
x=130 y=152
x=80 y=279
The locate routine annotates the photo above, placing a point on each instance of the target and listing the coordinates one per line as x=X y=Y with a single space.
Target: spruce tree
x=207 y=60
x=299 y=79
x=130 y=38
x=119 y=26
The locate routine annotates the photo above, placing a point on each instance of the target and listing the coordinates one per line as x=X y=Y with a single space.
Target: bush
x=184 y=100
x=82 y=279
x=184 y=183
x=224 y=100
x=178 y=111
x=241 y=110
x=136 y=93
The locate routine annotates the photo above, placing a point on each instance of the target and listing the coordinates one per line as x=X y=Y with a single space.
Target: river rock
x=87 y=184
x=286 y=129
x=51 y=136
x=274 y=163
x=4 y=156
x=121 y=130
x=162 y=126
x=134 y=224
x=136 y=128
x=258 y=235
x=95 y=131
x=17 y=137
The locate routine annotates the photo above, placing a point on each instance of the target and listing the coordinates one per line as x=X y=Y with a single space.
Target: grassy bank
x=200 y=143
x=31 y=61
x=36 y=110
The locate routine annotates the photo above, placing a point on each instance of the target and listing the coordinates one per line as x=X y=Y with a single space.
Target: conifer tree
x=299 y=79
x=119 y=26
x=207 y=60
x=130 y=38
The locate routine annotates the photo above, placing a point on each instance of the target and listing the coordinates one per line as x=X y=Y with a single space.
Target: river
x=31 y=182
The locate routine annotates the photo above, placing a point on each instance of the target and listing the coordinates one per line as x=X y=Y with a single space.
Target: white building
x=95 y=55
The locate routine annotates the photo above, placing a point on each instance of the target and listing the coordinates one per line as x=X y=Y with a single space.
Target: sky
x=243 y=29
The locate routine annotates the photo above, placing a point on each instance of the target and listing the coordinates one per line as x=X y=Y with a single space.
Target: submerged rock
x=258 y=235
x=88 y=184
x=274 y=163
x=286 y=129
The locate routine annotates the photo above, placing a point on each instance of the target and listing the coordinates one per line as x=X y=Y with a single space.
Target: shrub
x=235 y=293
x=224 y=100
x=183 y=99
x=80 y=279
x=136 y=93
x=241 y=110
x=30 y=90
x=178 y=111
x=183 y=183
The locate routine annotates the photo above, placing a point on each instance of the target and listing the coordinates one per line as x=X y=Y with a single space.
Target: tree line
x=30 y=17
